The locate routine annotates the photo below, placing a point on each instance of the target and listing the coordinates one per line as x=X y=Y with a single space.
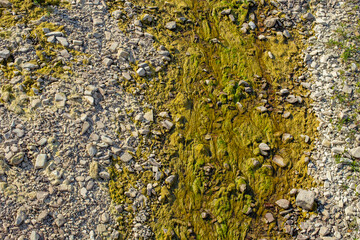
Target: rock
x=17 y=158
x=107 y=62
x=94 y=170
x=204 y=215
x=286 y=33
x=90 y=100
x=4 y=53
x=98 y=22
x=269 y=218
x=286 y=137
x=170 y=180
x=107 y=140
x=271 y=55
x=167 y=124
x=324 y=231
x=34 y=235
x=20 y=218
x=147 y=19
x=60 y=220
x=225 y=12
x=326 y=143
x=54 y=34
x=126 y=157
x=149 y=116
x=262 y=37
x=43 y=214
x=40 y=161
x=141 y=72
x=264 y=147
x=308 y=16
x=29 y=66
x=355 y=152
x=271 y=22
x=63 y=41
x=262 y=109
x=283 y=203
x=278 y=160
x=105 y=217
x=60 y=99
x=252 y=25
x=104 y=175
x=85 y=127
x=306 y=200
x=91 y=149
x=5 y=3
x=171 y=25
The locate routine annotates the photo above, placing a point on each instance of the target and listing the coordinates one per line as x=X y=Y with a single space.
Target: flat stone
x=269 y=218
x=149 y=116
x=171 y=25
x=40 y=161
x=306 y=200
x=63 y=41
x=283 y=203
x=54 y=34
x=126 y=157
x=30 y=66
x=167 y=124
x=98 y=22
x=278 y=160
x=264 y=147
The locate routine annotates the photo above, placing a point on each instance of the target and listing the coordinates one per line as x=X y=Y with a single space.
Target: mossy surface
x=24 y=11
x=220 y=127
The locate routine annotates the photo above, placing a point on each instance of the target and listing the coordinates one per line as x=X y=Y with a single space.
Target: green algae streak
x=215 y=143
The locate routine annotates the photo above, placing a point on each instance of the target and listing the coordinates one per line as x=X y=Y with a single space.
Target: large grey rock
x=306 y=200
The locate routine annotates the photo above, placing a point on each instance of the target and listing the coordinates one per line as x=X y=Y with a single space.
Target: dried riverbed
x=164 y=119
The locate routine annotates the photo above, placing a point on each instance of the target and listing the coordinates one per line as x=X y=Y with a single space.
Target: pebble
x=40 y=161
x=306 y=200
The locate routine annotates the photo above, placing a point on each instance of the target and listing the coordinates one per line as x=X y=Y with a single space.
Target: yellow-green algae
x=223 y=138
x=26 y=11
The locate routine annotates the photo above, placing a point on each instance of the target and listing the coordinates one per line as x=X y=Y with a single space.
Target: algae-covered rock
x=17 y=159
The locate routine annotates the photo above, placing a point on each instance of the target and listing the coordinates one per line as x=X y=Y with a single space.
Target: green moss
x=232 y=136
